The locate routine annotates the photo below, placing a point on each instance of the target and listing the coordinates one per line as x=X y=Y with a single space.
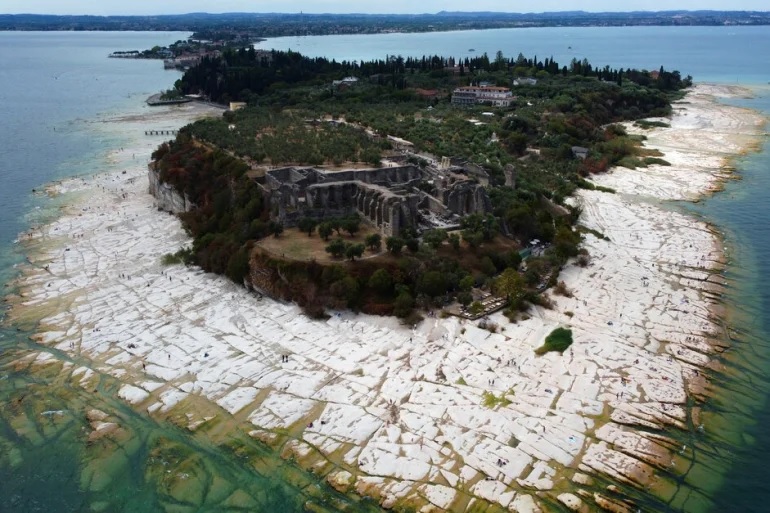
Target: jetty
x=155 y=100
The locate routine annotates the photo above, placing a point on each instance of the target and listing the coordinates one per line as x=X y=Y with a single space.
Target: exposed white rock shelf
x=382 y=401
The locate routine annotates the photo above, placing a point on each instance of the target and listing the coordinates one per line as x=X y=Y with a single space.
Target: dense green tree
x=325 y=230
x=565 y=242
x=394 y=244
x=353 y=251
x=373 y=241
x=351 y=226
x=433 y=284
x=336 y=248
x=381 y=281
x=474 y=239
x=403 y=304
x=238 y=265
x=276 y=228
x=454 y=241
x=487 y=266
x=434 y=238
x=484 y=224
x=307 y=224
x=347 y=288
x=510 y=284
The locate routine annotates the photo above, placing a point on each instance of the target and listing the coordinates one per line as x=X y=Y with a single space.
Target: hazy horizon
x=147 y=7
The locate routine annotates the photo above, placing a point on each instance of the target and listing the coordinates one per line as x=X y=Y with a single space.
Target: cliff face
x=168 y=198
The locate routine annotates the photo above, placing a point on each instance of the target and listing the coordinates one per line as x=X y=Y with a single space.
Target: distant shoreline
x=293 y=24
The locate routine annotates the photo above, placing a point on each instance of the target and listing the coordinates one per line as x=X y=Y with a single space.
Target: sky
x=111 y=7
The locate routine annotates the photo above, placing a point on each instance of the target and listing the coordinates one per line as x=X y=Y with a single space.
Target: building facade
x=488 y=95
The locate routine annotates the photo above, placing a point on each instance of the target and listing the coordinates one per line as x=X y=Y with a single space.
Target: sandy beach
x=394 y=412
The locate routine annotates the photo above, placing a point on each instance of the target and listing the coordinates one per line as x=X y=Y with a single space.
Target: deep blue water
x=710 y=54
x=53 y=84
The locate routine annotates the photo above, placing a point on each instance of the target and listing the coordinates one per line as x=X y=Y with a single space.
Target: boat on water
x=471 y=49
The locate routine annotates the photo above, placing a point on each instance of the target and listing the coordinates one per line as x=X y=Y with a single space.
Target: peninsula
x=547 y=202
x=432 y=189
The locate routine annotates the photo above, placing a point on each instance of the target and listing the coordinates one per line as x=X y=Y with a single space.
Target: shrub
x=561 y=290
x=646 y=124
x=655 y=160
x=489 y=400
x=183 y=256
x=381 y=281
x=476 y=308
x=403 y=305
x=558 y=340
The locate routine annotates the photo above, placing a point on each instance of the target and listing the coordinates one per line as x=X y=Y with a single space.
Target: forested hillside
x=298 y=115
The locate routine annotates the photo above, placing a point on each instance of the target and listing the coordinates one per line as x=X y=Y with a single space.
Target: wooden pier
x=161 y=132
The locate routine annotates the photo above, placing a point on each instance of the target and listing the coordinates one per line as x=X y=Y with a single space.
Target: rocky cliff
x=168 y=198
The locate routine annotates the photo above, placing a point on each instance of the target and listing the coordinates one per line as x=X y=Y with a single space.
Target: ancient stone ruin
x=390 y=198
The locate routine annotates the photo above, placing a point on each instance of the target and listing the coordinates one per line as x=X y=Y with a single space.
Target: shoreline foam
x=394 y=413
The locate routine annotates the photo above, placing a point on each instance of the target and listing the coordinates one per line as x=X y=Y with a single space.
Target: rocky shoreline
x=396 y=413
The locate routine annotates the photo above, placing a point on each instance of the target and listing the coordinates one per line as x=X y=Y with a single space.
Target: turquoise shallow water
x=742 y=210
x=52 y=88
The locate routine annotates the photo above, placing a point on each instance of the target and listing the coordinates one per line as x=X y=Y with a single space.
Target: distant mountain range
x=283 y=24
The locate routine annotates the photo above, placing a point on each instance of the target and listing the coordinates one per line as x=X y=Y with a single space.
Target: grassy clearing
x=294 y=244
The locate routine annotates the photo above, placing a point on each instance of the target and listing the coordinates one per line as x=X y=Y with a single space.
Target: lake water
x=710 y=54
x=56 y=87
x=58 y=92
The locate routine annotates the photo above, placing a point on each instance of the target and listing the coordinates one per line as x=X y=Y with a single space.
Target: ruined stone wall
x=465 y=198
x=376 y=204
x=428 y=202
x=384 y=196
x=382 y=176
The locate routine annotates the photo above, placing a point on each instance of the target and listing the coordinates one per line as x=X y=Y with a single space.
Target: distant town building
x=427 y=94
x=471 y=95
x=347 y=81
x=187 y=61
x=264 y=55
x=524 y=81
